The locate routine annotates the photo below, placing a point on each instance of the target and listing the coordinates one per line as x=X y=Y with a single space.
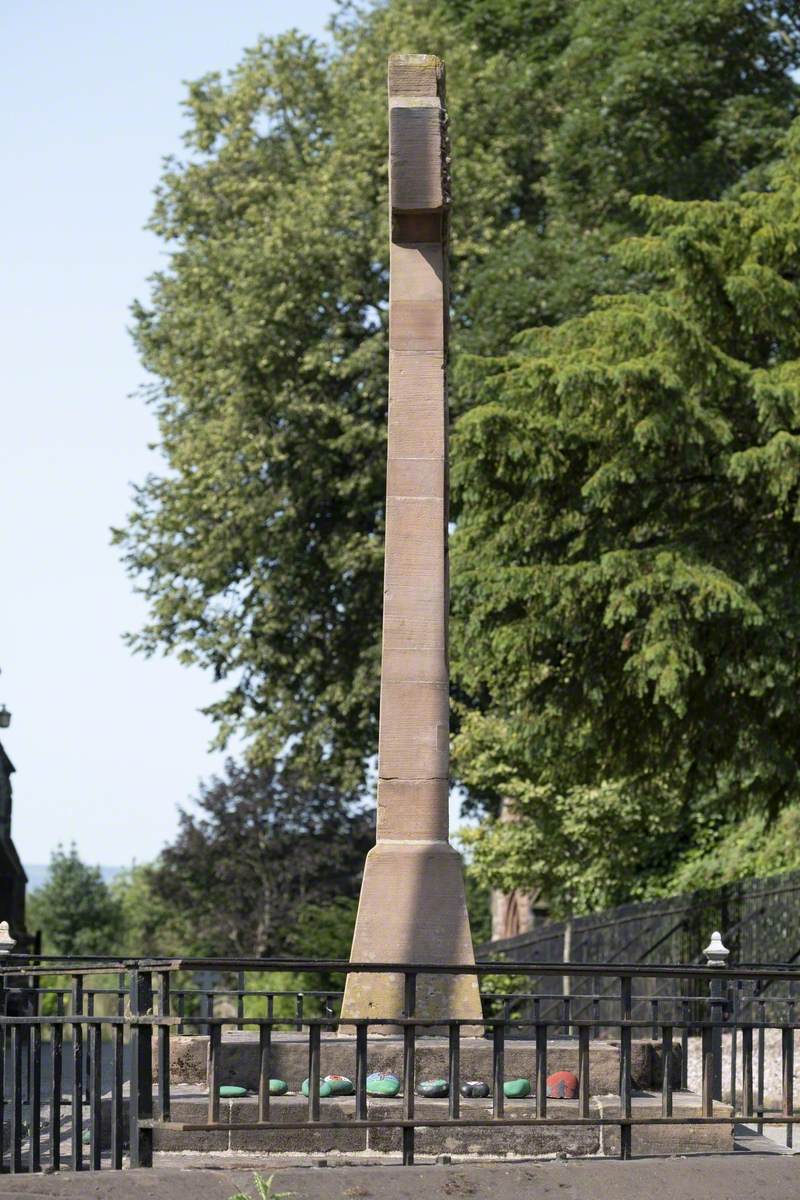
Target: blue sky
x=105 y=744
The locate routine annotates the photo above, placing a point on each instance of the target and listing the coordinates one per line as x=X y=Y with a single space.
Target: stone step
x=239 y=1060
x=531 y=1141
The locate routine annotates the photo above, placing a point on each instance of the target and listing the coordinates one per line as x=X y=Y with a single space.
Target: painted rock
x=230 y=1090
x=562 y=1086
x=325 y=1088
x=516 y=1089
x=340 y=1085
x=475 y=1089
x=433 y=1088
x=278 y=1087
x=379 y=1084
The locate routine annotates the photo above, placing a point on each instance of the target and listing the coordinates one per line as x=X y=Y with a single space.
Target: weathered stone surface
x=673 y=1139
x=413 y=907
x=517 y=1089
x=433 y=1088
x=379 y=1084
x=239 y=1059
x=307 y=1140
x=562 y=1085
x=340 y=1085
x=475 y=1089
x=325 y=1088
x=526 y=1141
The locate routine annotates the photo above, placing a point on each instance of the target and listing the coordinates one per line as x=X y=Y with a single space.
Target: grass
x=263 y=1190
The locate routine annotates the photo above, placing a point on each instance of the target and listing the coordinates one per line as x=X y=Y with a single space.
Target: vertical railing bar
x=35 y=1145
x=361 y=1072
x=747 y=1070
x=76 y=1004
x=454 y=1071
x=707 y=1066
x=141 y=1087
x=87 y=1049
x=685 y=1045
x=666 y=1071
x=541 y=1070
x=240 y=1001
x=95 y=1096
x=735 y=995
x=164 y=1066
x=116 y=1097
x=16 y=1100
x=625 y=999
x=3 y=1033
x=264 y=1070
x=498 y=1068
x=409 y=1065
x=583 y=1070
x=298 y=1012
x=314 y=1057
x=181 y=1011
x=214 y=1055
x=787 y=1089
x=56 y=1055
x=760 y=1084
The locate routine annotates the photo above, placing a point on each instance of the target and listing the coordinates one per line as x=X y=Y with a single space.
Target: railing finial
x=715 y=952
x=7 y=943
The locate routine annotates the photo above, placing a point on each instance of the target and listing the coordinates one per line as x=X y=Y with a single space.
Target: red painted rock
x=562 y=1086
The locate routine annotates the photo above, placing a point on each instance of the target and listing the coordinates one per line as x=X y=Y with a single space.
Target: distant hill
x=37 y=873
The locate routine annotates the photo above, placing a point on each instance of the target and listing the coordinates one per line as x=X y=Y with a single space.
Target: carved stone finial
x=7 y=943
x=715 y=952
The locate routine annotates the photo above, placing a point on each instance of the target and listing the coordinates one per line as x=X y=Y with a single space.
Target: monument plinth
x=413 y=907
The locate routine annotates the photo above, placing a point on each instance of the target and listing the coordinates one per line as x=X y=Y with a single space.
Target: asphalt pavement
x=738 y=1176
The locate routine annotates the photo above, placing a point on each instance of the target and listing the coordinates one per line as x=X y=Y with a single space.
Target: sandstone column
x=412 y=907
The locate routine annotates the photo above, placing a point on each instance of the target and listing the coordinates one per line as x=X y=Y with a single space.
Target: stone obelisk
x=412 y=907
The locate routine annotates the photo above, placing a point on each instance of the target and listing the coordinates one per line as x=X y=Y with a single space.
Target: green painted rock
x=229 y=1090
x=379 y=1084
x=340 y=1085
x=433 y=1088
x=516 y=1089
x=325 y=1088
x=278 y=1087
x=475 y=1089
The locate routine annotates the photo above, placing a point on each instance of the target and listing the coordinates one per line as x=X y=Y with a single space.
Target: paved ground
x=739 y=1176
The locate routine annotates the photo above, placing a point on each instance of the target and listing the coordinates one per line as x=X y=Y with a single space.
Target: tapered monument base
x=412 y=910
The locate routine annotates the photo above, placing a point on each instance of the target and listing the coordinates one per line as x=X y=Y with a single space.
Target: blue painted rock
x=229 y=1091
x=563 y=1085
x=433 y=1088
x=379 y=1084
x=475 y=1089
x=340 y=1085
x=516 y=1089
x=278 y=1087
x=325 y=1088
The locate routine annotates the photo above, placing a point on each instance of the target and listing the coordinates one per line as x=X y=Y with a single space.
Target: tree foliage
x=259 y=543
x=627 y=557
x=75 y=909
x=261 y=849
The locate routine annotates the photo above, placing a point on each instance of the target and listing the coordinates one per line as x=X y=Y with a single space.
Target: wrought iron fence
x=80 y=1090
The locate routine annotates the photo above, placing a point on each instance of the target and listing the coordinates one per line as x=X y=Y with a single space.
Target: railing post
x=717 y=956
x=141 y=1098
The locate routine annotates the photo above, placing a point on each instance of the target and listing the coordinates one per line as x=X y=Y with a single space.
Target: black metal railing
x=81 y=1038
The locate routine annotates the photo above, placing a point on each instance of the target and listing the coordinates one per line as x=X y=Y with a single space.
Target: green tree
x=260 y=850
x=75 y=909
x=259 y=544
x=625 y=566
